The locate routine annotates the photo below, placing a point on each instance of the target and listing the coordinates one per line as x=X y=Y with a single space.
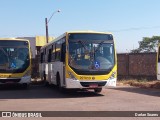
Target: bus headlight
x=71 y=76
x=28 y=73
x=113 y=75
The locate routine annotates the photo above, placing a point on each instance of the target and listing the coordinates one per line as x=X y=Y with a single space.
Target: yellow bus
x=15 y=61
x=80 y=59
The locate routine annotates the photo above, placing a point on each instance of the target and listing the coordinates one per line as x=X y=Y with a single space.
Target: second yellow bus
x=80 y=59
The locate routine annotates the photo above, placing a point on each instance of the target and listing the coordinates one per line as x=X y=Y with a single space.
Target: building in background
x=36 y=43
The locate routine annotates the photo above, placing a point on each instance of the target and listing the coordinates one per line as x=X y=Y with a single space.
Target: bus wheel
x=61 y=89
x=44 y=76
x=97 y=90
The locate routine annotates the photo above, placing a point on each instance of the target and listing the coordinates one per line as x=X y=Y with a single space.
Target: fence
x=137 y=65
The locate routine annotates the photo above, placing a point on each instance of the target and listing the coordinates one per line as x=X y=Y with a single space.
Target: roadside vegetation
x=140 y=83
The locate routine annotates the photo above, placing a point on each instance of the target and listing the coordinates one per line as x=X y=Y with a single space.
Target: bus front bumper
x=26 y=79
x=70 y=83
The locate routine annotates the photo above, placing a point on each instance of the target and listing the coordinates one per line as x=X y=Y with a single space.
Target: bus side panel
x=58 y=69
x=46 y=71
x=42 y=70
x=52 y=74
x=49 y=72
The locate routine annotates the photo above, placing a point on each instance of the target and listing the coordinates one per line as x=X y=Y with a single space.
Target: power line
x=135 y=29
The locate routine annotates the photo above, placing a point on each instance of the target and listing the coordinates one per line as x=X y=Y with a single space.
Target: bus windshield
x=91 y=56
x=14 y=56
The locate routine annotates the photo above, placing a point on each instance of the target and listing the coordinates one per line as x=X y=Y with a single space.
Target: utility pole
x=46 y=24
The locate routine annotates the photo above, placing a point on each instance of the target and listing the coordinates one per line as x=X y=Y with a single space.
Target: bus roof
x=14 y=39
x=69 y=32
x=89 y=31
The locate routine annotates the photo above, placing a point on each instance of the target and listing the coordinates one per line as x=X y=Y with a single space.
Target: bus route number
x=5 y=76
x=86 y=78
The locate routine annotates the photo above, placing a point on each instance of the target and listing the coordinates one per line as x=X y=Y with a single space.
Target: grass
x=140 y=83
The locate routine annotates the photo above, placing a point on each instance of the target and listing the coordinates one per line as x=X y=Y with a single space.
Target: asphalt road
x=42 y=98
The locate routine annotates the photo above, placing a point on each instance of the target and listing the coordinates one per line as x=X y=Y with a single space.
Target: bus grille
x=9 y=80
x=87 y=84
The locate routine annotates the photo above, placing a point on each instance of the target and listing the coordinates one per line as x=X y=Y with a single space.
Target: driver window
x=22 y=54
x=108 y=53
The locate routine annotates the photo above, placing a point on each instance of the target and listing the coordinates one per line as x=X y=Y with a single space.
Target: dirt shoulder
x=140 y=83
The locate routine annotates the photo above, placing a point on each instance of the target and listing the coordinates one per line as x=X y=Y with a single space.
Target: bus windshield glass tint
x=91 y=55
x=14 y=56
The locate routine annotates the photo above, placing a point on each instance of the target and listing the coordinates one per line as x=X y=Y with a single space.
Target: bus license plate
x=93 y=85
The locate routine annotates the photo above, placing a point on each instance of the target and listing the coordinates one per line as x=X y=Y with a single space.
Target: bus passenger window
x=42 y=57
x=63 y=52
x=49 y=55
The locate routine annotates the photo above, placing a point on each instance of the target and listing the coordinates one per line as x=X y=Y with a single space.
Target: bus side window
x=42 y=56
x=45 y=55
x=53 y=53
x=49 y=55
x=58 y=53
x=63 y=52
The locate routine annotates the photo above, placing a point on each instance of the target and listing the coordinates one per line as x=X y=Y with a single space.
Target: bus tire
x=44 y=76
x=61 y=89
x=97 y=90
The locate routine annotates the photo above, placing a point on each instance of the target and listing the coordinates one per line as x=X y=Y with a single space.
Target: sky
x=128 y=20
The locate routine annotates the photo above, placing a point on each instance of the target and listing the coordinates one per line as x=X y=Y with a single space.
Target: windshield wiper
x=100 y=44
x=93 y=52
x=83 y=44
x=3 y=51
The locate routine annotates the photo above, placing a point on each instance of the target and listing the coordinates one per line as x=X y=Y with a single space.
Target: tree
x=147 y=45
